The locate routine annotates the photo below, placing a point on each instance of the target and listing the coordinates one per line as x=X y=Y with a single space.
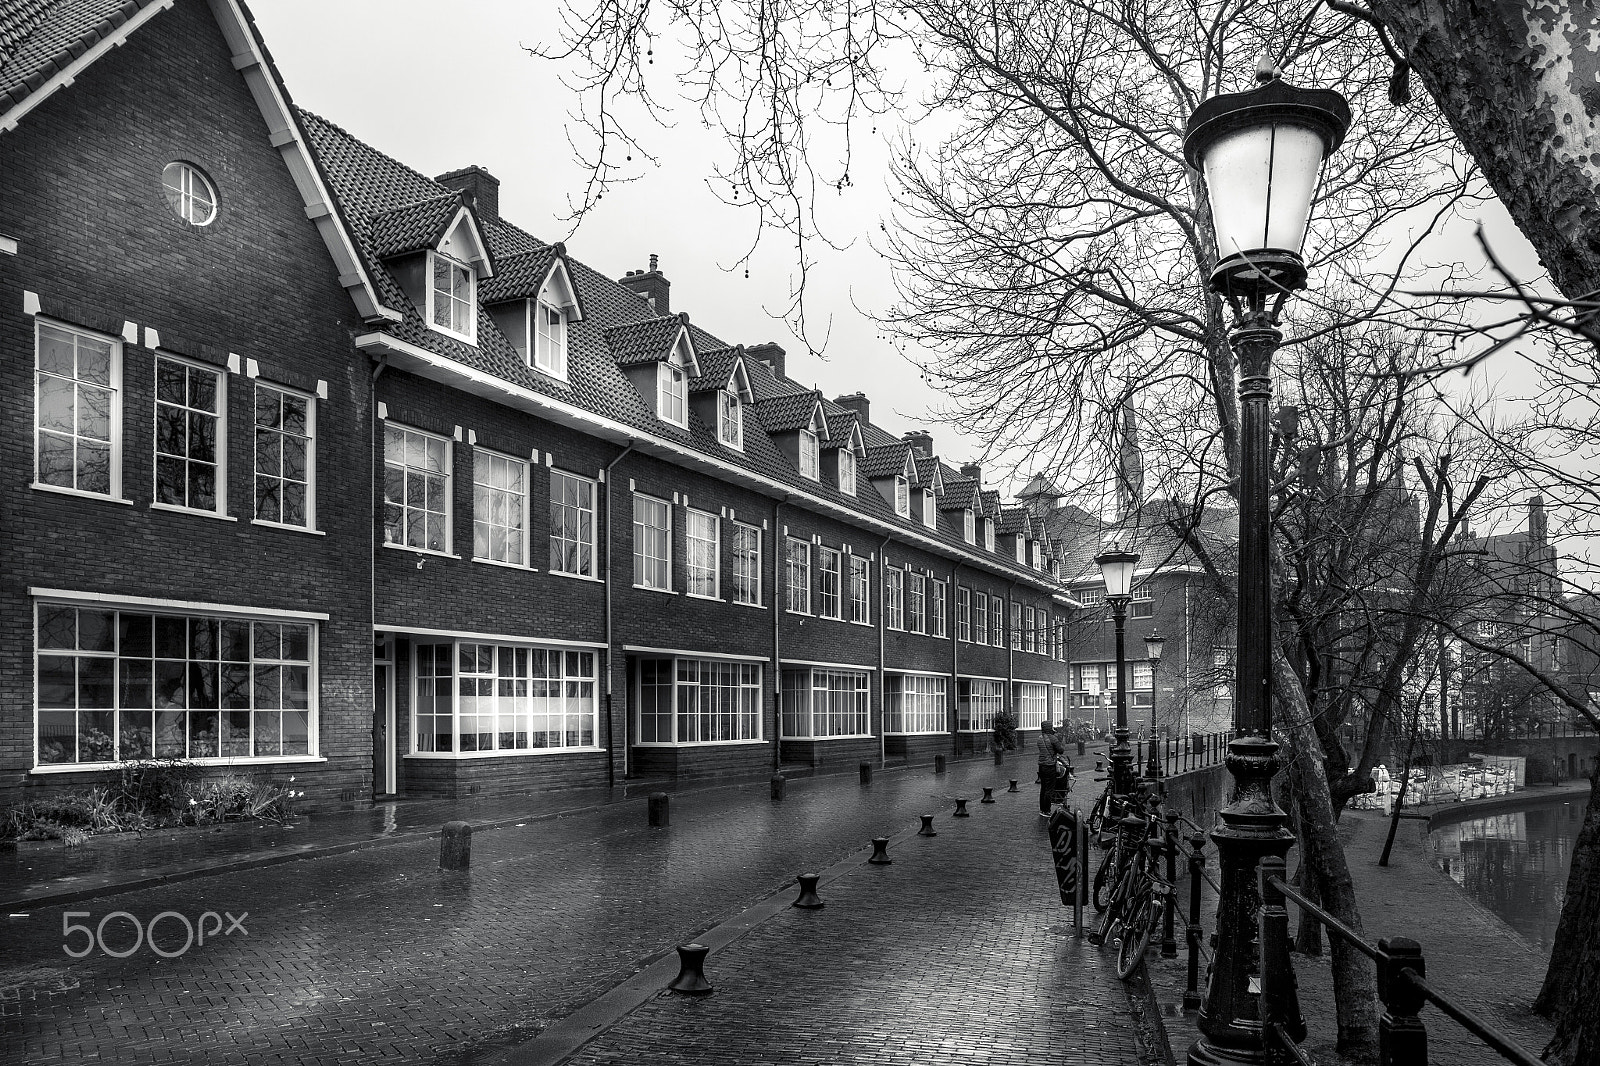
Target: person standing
x=1051 y=748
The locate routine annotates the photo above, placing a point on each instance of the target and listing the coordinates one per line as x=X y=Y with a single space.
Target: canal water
x=1515 y=863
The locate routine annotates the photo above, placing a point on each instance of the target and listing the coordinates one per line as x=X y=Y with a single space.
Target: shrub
x=1005 y=729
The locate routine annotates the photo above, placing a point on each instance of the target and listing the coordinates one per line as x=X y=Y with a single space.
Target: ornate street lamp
x=1261 y=152
x=1117 y=569
x=1152 y=651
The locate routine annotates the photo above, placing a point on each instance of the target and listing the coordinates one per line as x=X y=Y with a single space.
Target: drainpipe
x=373 y=513
x=955 y=653
x=883 y=565
x=1012 y=638
x=777 y=642
x=611 y=762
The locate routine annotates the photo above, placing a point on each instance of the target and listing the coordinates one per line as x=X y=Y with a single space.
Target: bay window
x=978 y=700
x=823 y=702
x=915 y=703
x=698 y=701
x=474 y=697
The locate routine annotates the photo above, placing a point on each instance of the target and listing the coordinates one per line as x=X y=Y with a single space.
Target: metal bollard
x=779 y=782
x=866 y=772
x=455 y=846
x=1013 y=787
x=657 y=805
x=1192 y=932
x=999 y=756
x=988 y=796
x=927 y=827
x=808 y=899
x=938 y=764
x=691 y=979
x=961 y=809
x=880 y=852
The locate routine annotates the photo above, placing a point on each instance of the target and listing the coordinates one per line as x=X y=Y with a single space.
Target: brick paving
x=375 y=955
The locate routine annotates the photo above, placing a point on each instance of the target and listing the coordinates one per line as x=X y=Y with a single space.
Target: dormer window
x=847 y=471
x=1021 y=550
x=809 y=466
x=452 y=297
x=988 y=534
x=902 y=496
x=930 y=515
x=730 y=419
x=549 y=337
x=1038 y=558
x=969 y=524
x=672 y=392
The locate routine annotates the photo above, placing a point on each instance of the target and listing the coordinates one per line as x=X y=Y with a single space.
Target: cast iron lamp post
x=1117 y=569
x=1152 y=651
x=1261 y=152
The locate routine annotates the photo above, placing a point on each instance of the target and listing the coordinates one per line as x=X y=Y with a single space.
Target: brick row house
x=327 y=469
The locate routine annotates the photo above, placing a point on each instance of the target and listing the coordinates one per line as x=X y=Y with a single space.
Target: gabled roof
x=928 y=473
x=889 y=460
x=524 y=275
x=846 y=427
x=721 y=367
x=796 y=411
x=413 y=227
x=991 y=503
x=40 y=38
x=649 y=341
x=1014 y=520
x=960 y=494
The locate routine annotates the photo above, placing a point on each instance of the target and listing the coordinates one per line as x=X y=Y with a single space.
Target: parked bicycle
x=1138 y=902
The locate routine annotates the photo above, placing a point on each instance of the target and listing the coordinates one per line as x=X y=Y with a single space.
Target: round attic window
x=190 y=193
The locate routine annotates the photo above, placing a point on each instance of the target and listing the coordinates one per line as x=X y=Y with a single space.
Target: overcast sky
x=441 y=86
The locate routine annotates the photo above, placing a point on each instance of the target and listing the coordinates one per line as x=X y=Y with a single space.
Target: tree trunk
x=1354 y=983
x=1571 y=993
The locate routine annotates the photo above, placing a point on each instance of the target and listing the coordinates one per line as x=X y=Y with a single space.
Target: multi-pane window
x=860 y=590
x=894 y=598
x=746 y=563
x=672 y=392
x=730 y=419
x=809 y=463
x=980 y=617
x=1030 y=633
x=189 y=193
x=1094 y=684
x=825 y=703
x=1142 y=686
x=499 y=508
x=1016 y=626
x=476 y=697
x=189 y=446
x=702 y=535
x=1021 y=549
x=915 y=703
x=916 y=602
x=797 y=583
x=847 y=471
x=902 y=496
x=1033 y=704
x=938 y=609
x=549 y=338
x=997 y=621
x=988 y=534
x=416 y=489
x=1143 y=603
x=930 y=512
x=124 y=685
x=963 y=613
x=977 y=702
x=828 y=581
x=571 y=524
x=1058 y=703
x=454 y=302
x=79 y=380
x=652 y=543
x=285 y=428
x=969 y=523
x=698 y=701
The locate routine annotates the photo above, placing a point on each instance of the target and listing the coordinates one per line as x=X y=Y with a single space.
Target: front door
x=383 y=767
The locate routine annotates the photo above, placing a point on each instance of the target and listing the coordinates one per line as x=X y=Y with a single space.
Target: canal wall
x=1199 y=794
x=1551 y=760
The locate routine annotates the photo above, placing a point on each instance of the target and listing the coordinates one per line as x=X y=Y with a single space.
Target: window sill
x=524 y=567
x=452 y=334
x=755 y=606
x=801 y=614
x=916 y=732
x=63 y=490
x=652 y=588
x=231 y=760
x=701 y=596
x=288 y=528
x=514 y=753
x=174 y=509
x=700 y=743
x=574 y=577
x=419 y=551
x=824 y=740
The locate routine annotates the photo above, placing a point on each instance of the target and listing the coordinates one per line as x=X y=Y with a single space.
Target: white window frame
x=928 y=696
x=860 y=591
x=310 y=437
x=482 y=489
x=548 y=328
x=997 y=621
x=797 y=575
x=847 y=471
x=992 y=699
x=469 y=302
x=916 y=601
x=730 y=419
x=747 y=584
x=699 y=572
x=988 y=534
x=1032 y=700
x=559 y=479
x=1021 y=549
x=447 y=517
x=810 y=459
x=894 y=598
x=964 y=614
x=969 y=526
x=689 y=682
x=1030 y=634
x=503 y=708
x=938 y=604
x=980 y=618
x=805 y=688
x=219 y=417
x=195 y=209
x=829 y=567
x=902 y=496
x=113 y=424
x=930 y=509
x=672 y=393
x=1016 y=626
x=642 y=562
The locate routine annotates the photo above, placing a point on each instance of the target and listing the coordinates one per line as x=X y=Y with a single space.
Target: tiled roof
x=518 y=277
x=926 y=465
x=841 y=421
x=785 y=414
x=716 y=367
x=649 y=341
x=413 y=227
x=957 y=494
x=38 y=38
x=1014 y=520
x=885 y=460
x=991 y=503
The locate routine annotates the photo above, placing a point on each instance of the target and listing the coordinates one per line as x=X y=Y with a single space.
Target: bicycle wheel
x=1105 y=882
x=1136 y=935
x=1097 y=817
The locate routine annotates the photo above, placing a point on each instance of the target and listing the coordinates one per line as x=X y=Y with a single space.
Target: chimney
x=482 y=186
x=1538 y=529
x=652 y=285
x=973 y=471
x=768 y=353
x=857 y=402
x=921 y=441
